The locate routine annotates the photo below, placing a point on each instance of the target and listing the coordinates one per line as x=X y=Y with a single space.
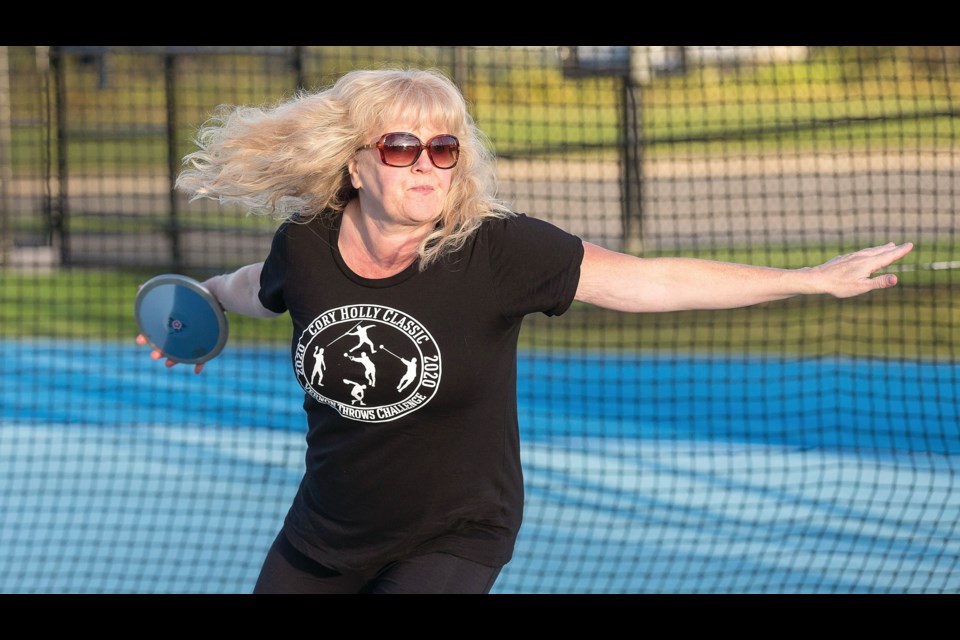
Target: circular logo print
x=369 y=362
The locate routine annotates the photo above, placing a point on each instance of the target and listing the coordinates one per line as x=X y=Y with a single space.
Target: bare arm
x=239 y=291
x=626 y=283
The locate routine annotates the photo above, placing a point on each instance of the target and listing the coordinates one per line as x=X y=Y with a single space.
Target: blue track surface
x=644 y=473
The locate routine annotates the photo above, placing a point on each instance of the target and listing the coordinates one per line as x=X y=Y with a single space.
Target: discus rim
x=172 y=279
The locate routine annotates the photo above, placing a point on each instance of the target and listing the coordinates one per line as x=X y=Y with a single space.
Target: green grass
x=919 y=319
x=96 y=304
x=704 y=128
x=213 y=220
x=906 y=322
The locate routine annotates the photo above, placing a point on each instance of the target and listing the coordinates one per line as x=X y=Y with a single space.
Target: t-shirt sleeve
x=535 y=265
x=274 y=272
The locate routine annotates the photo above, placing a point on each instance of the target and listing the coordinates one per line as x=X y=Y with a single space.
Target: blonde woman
x=387 y=188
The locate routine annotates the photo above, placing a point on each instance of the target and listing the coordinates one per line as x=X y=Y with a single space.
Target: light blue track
x=644 y=473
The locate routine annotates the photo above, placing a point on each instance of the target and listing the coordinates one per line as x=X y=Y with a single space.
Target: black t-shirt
x=410 y=390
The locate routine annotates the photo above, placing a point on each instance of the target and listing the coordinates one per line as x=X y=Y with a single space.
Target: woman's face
x=411 y=196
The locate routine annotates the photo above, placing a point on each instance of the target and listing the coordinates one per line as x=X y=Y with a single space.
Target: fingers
x=888 y=254
x=897 y=249
x=902 y=250
x=892 y=253
x=884 y=254
x=156 y=354
x=196 y=369
x=885 y=281
x=849 y=275
x=872 y=251
x=889 y=249
x=170 y=363
x=876 y=258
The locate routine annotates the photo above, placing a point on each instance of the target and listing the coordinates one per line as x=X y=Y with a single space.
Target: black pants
x=286 y=570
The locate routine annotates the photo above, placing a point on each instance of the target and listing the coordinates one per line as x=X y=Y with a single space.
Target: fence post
x=169 y=75
x=631 y=157
x=6 y=156
x=298 y=67
x=59 y=214
x=460 y=67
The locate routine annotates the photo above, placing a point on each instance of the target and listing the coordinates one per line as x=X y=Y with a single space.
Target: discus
x=179 y=317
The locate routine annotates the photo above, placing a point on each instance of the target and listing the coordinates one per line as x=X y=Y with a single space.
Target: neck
x=375 y=250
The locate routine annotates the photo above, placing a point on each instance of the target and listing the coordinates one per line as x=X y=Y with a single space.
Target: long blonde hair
x=291 y=159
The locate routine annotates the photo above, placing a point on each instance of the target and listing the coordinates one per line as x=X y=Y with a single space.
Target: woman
x=395 y=245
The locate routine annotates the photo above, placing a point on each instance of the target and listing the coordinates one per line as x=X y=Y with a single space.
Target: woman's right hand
x=156 y=354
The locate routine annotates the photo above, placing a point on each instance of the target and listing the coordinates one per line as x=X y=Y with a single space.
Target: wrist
x=215 y=286
x=807 y=281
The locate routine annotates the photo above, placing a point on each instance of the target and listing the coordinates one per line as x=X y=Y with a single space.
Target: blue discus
x=181 y=318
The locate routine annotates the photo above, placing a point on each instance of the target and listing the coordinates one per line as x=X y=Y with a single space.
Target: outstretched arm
x=626 y=283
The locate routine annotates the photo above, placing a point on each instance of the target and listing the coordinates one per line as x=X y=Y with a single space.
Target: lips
x=423 y=189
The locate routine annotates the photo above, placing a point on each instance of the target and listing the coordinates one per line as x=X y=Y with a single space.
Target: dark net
x=808 y=445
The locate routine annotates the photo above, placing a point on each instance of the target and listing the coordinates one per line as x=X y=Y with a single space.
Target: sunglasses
x=401 y=149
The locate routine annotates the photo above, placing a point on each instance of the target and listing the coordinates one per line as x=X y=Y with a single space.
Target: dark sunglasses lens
x=444 y=151
x=400 y=149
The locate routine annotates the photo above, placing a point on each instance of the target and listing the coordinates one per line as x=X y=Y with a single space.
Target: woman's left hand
x=849 y=275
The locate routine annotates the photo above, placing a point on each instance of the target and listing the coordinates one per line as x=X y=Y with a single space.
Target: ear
x=352 y=169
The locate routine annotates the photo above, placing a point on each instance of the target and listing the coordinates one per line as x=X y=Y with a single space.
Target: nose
x=423 y=164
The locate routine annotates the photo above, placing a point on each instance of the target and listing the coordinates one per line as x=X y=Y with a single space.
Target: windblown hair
x=290 y=160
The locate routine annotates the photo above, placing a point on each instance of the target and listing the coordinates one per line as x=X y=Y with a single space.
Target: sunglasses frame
x=380 y=144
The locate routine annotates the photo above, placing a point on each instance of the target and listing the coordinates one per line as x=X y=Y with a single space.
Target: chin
x=424 y=218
